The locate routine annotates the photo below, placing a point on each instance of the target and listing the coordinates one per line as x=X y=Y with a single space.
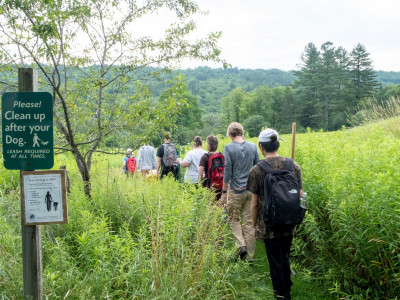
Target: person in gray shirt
x=240 y=157
x=146 y=159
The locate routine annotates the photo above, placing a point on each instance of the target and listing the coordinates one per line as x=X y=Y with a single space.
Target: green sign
x=27 y=122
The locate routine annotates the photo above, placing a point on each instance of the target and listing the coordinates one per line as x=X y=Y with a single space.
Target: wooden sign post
x=31 y=235
x=27 y=136
x=293 y=139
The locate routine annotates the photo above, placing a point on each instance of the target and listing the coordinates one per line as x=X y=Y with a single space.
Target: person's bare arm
x=185 y=164
x=201 y=171
x=224 y=193
x=254 y=210
x=158 y=165
x=227 y=175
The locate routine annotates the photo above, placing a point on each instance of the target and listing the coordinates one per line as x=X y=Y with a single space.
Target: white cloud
x=273 y=33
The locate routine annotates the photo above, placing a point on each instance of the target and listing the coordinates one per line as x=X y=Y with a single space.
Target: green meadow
x=142 y=239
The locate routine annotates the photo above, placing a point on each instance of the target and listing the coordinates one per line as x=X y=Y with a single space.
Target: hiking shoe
x=242 y=253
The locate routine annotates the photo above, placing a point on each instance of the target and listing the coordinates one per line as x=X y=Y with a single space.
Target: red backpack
x=215 y=171
x=131 y=164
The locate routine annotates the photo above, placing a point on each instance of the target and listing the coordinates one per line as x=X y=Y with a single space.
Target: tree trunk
x=68 y=182
x=326 y=112
x=85 y=173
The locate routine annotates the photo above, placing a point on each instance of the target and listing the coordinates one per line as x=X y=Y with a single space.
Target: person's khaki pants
x=145 y=172
x=239 y=207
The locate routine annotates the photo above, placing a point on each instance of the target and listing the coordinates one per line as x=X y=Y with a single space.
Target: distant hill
x=211 y=85
x=388 y=78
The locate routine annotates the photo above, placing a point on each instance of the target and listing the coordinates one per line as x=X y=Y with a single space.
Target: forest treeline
x=210 y=85
x=327 y=91
x=329 y=86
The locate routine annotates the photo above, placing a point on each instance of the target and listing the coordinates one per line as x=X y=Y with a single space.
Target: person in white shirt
x=192 y=161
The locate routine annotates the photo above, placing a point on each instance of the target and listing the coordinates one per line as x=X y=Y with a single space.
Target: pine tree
x=362 y=74
x=322 y=86
x=333 y=76
x=288 y=110
x=307 y=85
x=340 y=107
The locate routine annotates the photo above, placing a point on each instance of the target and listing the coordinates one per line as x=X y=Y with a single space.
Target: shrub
x=253 y=125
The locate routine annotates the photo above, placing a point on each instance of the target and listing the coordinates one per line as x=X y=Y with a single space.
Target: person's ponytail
x=197 y=141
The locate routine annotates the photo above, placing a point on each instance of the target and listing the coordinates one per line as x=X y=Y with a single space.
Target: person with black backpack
x=212 y=166
x=167 y=156
x=276 y=186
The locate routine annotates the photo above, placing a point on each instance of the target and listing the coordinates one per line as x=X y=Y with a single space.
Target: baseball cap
x=168 y=135
x=265 y=135
x=128 y=151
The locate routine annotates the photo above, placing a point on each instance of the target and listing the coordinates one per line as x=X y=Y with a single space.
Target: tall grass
x=372 y=112
x=135 y=239
x=140 y=239
x=10 y=242
x=350 y=238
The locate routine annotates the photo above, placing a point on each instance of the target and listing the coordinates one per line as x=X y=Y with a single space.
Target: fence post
x=293 y=139
x=31 y=235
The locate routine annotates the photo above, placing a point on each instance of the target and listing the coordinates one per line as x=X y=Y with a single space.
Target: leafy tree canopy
x=88 y=53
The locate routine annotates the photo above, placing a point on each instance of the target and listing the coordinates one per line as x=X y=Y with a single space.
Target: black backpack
x=282 y=211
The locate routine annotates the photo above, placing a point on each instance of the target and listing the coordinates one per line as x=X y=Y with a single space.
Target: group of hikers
x=261 y=197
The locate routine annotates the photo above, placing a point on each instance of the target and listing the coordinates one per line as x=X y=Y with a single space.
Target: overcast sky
x=273 y=33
